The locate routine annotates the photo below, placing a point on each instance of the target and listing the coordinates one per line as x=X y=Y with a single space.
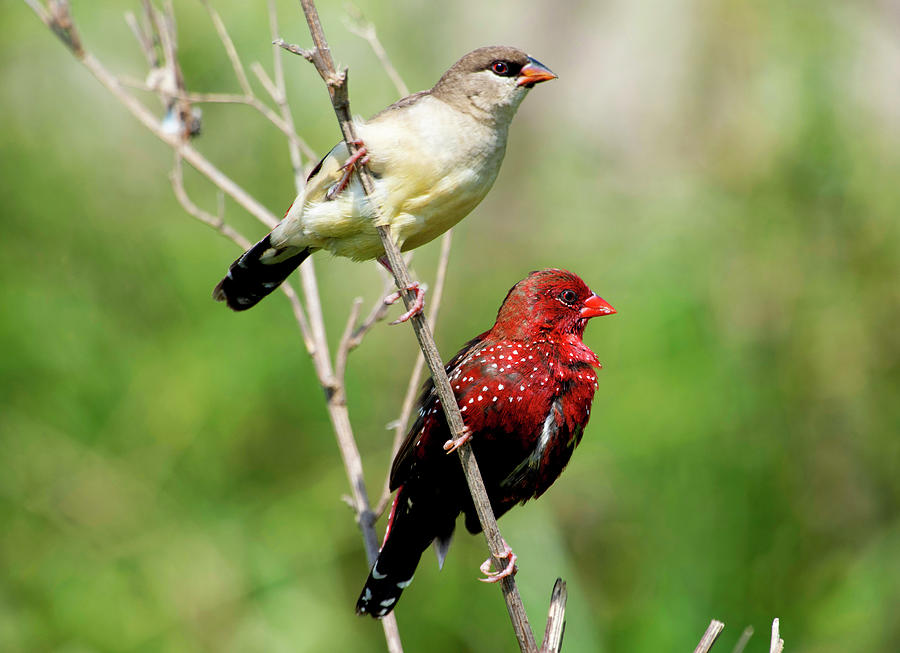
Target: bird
x=434 y=155
x=524 y=389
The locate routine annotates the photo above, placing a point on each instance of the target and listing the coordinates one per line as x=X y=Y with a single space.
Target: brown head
x=490 y=82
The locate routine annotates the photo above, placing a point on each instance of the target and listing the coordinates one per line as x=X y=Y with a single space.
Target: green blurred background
x=724 y=173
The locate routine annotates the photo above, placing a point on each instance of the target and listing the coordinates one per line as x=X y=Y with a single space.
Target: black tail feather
x=250 y=278
x=409 y=534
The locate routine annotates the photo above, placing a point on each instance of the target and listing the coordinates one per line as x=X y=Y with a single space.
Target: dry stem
x=710 y=636
x=556 y=619
x=159 y=30
x=776 y=644
x=336 y=82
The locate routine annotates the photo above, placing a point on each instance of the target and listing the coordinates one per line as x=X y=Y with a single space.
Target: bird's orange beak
x=595 y=306
x=534 y=72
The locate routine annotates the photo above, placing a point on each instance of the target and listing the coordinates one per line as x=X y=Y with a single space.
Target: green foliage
x=725 y=174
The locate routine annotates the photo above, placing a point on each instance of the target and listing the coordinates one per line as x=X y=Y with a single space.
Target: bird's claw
x=509 y=570
x=360 y=157
x=417 y=306
x=453 y=444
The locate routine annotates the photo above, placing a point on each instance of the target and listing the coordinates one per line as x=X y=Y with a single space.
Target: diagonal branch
x=364 y=29
x=709 y=637
x=216 y=222
x=337 y=88
x=415 y=379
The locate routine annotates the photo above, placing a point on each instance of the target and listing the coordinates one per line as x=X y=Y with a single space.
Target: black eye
x=500 y=68
x=568 y=297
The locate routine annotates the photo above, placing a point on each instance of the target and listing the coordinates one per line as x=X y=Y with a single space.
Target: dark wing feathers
x=427 y=399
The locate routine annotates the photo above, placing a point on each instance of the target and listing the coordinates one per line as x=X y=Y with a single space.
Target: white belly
x=433 y=166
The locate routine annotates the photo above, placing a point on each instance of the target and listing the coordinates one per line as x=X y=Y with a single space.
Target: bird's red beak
x=533 y=72
x=595 y=306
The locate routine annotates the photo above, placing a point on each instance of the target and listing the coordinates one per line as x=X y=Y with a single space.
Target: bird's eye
x=500 y=67
x=568 y=297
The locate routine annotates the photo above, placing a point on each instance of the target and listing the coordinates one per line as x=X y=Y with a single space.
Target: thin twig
x=224 y=98
x=280 y=99
x=357 y=24
x=294 y=49
x=61 y=25
x=216 y=222
x=354 y=333
x=187 y=152
x=312 y=328
x=742 y=640
x=318 y=349
x=776 y=644
x=709 y=637
x=143 y=40
x=337 y=88
x=340 y=359
x=263 y=78
x=415 y=379
x=286 y=126
x=230 y=50
x=556 y=620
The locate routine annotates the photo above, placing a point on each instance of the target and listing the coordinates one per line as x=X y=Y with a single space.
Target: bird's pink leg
x=361 y=156
x=453 y=444
x=509 y=570
x=419 y=302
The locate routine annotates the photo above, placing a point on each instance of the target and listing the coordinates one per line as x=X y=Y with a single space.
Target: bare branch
x=217 y=223
x=340 y=360
x=263 y=78
x=59 y=20
x=299 y=315
x=38 y=8
x=357 y=24
x=710 y=636
x=415 y=379
x=294 y=49
x=229 y=48
x=556 y=620
x=280 y=99
x=223 y=98
x=311 y=326
x=337 y=87
x=143 y=40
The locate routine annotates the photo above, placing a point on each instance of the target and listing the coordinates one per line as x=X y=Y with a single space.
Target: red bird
x=525 y=389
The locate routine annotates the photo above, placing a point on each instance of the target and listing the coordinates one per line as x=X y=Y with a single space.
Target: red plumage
x=525 y=389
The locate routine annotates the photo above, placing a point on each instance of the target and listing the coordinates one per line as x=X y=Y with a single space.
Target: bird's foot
x=509 y=570
x=417 y=306
x=453 y=444
x=360 y=157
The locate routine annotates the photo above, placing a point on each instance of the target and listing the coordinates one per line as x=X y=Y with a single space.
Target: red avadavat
x=525 y=389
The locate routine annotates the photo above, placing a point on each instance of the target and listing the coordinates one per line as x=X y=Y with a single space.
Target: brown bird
x=434 y=154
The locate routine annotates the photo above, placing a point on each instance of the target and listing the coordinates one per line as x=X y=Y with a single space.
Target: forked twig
x=216 y=222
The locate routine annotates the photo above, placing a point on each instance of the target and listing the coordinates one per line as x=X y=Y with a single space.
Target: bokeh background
x=724 y=173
